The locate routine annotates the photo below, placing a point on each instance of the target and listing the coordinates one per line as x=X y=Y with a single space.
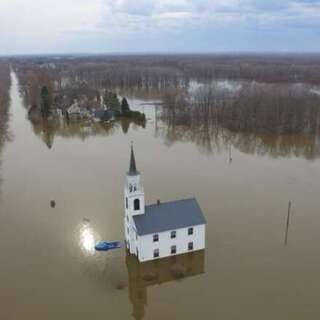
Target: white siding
x=146 y=245
x=131 y=197
x=133 y=190
x=133 y=194
x=131 y=235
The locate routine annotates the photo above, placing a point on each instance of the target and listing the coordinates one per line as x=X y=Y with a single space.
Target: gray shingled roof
x=169 y=216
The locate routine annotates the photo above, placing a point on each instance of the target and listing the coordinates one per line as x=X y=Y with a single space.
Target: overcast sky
x=97 y=26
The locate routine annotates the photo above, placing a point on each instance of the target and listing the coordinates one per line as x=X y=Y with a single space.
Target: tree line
x=164 y=71
x=265 y=108
x=5 y=83
x=270 y=100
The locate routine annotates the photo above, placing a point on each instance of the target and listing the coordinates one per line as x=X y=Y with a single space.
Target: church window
x=156 y=253
x=136 y=204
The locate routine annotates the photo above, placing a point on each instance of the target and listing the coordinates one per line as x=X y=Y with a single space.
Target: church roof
x=132 y=168
x=169 y=216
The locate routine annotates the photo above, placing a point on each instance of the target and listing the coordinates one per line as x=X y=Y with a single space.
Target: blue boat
x=106 y=246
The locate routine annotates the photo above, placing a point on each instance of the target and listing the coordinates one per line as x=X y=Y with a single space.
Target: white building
x=163 y=229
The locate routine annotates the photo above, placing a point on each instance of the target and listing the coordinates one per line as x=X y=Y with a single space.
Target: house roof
x=99 y=113
x=74 y=108
x=169 y=216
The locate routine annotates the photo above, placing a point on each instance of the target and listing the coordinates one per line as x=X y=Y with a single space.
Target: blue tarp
x=105 y=246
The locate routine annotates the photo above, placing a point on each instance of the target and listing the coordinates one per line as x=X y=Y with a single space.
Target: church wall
x=146 y=245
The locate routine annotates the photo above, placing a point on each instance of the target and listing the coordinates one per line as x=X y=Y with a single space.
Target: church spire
x=132 y=169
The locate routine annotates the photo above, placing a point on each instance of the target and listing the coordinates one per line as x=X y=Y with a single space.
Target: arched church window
x=136 y=204
x=130 y=187
x=135 y=188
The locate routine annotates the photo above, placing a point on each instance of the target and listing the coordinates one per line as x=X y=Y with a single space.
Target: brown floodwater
x=48 y=266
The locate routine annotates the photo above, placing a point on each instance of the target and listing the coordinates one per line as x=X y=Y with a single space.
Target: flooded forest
x=241 y=133
x=238 y=98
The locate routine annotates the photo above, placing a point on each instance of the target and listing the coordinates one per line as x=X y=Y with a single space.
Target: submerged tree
x=264 y=108
x=45 y=102
x=112 y=101
x=125 y=108
x=5 y=83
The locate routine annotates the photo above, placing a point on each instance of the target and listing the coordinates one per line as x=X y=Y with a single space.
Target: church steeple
x=133 y=202
x=132 y=168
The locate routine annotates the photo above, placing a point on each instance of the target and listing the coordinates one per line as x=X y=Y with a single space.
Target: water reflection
x=216 y=139
x=47 y=130
x=208 y=139
x=106 y=270
x=87 y=238
x=143 y=275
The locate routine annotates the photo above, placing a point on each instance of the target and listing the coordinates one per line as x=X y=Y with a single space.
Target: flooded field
x=243 y=183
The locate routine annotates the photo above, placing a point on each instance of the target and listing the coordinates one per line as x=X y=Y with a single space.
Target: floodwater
x=48 y=266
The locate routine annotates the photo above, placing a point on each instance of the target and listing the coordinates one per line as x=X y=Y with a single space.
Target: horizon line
x=150 y=53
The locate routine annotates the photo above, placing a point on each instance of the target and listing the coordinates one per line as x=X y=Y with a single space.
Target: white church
x=162 y=229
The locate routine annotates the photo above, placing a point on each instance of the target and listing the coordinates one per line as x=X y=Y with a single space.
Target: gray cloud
x=103 y=25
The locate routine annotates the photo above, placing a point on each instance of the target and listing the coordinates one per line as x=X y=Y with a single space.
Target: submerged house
x=103 y=115
x=78 y=112
x=74 y=112
x=162 y=229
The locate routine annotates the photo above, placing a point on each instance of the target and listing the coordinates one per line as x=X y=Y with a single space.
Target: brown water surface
x=48 y=266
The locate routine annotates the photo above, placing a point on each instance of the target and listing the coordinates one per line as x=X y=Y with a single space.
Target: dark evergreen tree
x=114 y=102
x=45 y=102
x=125 y=108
